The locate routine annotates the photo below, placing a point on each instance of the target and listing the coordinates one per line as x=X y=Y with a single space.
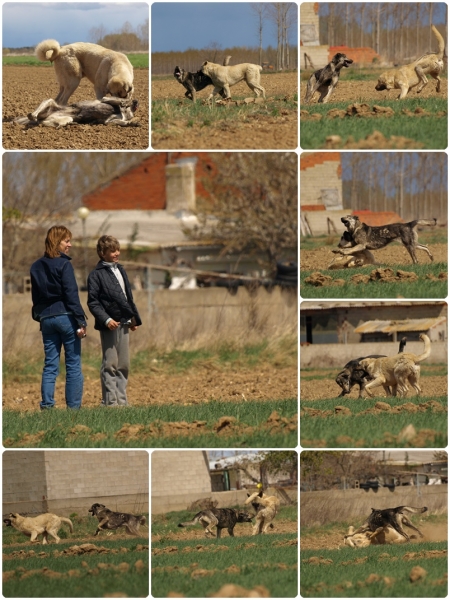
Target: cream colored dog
x=47 y=524
x=382 y=535
x=266 y=515
x=409 y=76
x=225 y=77
x=111 y=72
x=396 y=371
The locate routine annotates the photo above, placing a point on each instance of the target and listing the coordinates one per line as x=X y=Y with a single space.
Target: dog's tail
x=193 y=522
x=424 y=222
x=411 y=509
x=427 y=349
x=68 y=522
x=47 y=50
x=440 y=40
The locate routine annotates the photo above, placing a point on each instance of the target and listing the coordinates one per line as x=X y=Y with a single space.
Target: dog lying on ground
x=381 y=536
x=391 y=517
x=107 y=111
x=409 y=76
x=111 y=72
x=354 y=374
x=195 y=82
x=325 y=80
x=224 y=77
x=47 y=524
x=221 y=518
x=113 y=520
x=374 y=238
x=396 y=371
x=265 y=516
x=359 y=259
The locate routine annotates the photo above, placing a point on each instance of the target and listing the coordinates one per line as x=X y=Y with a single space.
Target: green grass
x=55 y=428
x=139 y=61
x=344 y=577
x=267 y=560
x=421 y=288
x=430 y=130
x=371 y=430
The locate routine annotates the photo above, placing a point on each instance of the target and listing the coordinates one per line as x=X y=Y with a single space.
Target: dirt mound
x=24 y=88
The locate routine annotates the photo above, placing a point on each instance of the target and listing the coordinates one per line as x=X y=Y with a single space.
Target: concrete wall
x=342 y=505
x=337 y=355
x=313 y=180
x=189 y=318
x=71 y=481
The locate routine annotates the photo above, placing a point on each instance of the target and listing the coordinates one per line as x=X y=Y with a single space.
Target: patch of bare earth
x=252 y=127
x=24 y=88
x=195 y=387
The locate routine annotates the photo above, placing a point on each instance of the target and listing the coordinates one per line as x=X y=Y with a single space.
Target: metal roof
x=391 y=326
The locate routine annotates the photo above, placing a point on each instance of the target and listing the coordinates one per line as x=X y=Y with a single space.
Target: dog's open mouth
x=346 y=223
x=347 y=62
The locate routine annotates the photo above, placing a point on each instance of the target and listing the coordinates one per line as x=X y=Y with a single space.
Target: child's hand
x=113 y=325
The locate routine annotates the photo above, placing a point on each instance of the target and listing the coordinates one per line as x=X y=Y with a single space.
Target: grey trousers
x=115 y=366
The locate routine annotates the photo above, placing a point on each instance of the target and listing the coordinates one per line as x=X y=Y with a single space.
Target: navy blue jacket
x=54 y=289
x=106 y=299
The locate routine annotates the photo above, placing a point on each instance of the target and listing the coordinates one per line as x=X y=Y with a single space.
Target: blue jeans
x=60 y=331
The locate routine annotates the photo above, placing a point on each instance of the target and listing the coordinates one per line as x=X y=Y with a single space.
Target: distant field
x=139 y=61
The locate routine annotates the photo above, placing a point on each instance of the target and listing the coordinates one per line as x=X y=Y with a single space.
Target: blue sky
x=28 y=23
x=177 y=26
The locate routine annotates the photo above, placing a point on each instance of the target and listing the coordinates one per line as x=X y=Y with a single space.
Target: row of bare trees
x=283 y=16
x=413 y=184
x=127 y=39
x=398 y=31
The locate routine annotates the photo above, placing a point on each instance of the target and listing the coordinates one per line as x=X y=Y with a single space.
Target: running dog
x=223 y=77
x=221 y=518
x=107 y=111
x=359 y=259
x=47 y=524
x=381 y=536
x=268 y=512
x=195 y=82
x=391 y=517
x=409 y=76
x=396 y=371
x=354 y=374
x=325 y=80
x=374 y=238
x=113 y=520
x=111 y=72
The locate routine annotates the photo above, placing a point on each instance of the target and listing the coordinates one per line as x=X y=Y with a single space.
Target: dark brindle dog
x=193 y=82
x=108 y=111
x=113 y=520
x=326 y=79
x=374 y=238
x=392 y=517
x=221 y=518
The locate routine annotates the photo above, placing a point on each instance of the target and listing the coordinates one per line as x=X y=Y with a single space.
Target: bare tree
x=253 y=202
x=260 y=10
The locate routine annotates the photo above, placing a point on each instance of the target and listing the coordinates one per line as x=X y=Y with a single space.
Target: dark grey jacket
x=106 y=299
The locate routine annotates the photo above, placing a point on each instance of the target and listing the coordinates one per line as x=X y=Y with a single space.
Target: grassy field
x=119 y=565
x=427 y=237
x=198 y=568
x=428 y=130
x=139 y=61
x=374 y=572
x=142 y=427
x=373 y=429
x=423 y=287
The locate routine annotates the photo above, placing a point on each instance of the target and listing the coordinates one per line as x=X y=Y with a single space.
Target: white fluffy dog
x=111 y=72
x=266 y=515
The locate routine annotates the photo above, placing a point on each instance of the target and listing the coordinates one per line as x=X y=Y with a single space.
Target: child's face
x=111 y=256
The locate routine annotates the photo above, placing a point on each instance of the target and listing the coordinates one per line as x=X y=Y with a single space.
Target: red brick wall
x=144 y=187
x=308 y=160
x=362 y=56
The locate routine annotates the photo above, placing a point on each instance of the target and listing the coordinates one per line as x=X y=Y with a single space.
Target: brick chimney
x=180 y=186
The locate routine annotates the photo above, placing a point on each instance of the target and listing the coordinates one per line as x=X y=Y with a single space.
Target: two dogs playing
x=110 y=72
x=384 y=527
x=222 y=77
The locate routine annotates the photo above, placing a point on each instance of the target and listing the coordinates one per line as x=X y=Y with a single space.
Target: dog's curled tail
x=440 y=40
x=427 y=349
x=47 y=50
x=68 y=522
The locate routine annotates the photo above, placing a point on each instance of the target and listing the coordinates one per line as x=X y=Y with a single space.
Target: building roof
x=390 y=326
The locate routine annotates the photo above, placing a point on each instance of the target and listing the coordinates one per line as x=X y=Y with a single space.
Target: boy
x=110 y=300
